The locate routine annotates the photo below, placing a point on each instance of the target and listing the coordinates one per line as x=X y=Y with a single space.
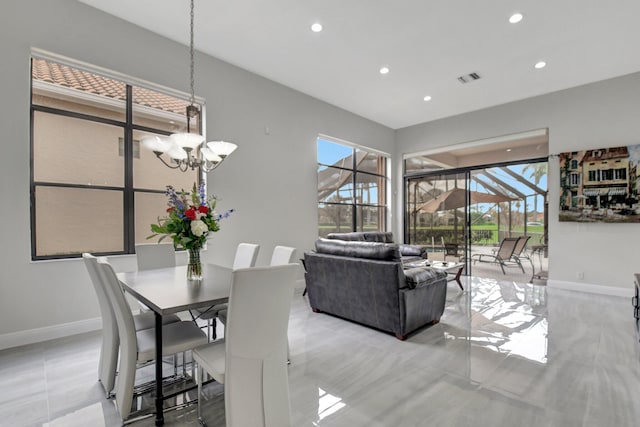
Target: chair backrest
x=109 y=352
x=154 y=255
x=256 y=380
x=246 y=255
x=127 y=335
x=451 y=249
x=507 y=246
x=520 y=245
x=282 y=255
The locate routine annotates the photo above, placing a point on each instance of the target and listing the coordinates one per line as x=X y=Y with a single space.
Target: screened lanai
x=475 y=209
x=352 y=187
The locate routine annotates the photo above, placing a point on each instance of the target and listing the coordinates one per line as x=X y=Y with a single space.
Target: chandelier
x=187 y=150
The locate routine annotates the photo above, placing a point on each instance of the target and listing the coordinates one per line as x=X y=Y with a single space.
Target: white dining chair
x=245 y=257
x=251 y=360
x=150 y=256
x=281 y=255
x=108 y=363
x=137 y=347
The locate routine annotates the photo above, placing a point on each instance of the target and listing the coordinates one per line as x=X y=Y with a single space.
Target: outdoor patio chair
x=452 y=249
x=504 y=255
x=520 y=253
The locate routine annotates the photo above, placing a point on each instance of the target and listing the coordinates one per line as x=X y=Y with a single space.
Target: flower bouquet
x=190 y=219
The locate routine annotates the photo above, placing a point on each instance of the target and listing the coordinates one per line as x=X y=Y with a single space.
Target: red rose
x=203 y=209
x=190 y=213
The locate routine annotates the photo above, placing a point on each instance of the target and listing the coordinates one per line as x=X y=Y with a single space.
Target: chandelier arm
x=158 y=155
x=208 y=166
x=184 y=165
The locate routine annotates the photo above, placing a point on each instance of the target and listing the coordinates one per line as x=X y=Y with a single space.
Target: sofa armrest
x=413 y=250
x=422 y=276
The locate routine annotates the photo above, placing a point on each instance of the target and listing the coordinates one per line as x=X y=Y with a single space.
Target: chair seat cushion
x=176 y=338
x=211 y=358
x=147 y=320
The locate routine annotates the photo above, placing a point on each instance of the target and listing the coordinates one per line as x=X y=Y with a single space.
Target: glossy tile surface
x=504 y=354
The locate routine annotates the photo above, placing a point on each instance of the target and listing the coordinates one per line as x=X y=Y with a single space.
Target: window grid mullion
x=128 y=203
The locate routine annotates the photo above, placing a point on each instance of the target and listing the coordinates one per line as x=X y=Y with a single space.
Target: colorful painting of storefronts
x=600 y=185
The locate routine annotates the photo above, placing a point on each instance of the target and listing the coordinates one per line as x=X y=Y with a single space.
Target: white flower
x=198 y=227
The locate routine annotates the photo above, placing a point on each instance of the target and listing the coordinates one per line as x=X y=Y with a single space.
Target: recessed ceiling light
x=540 y=64
x=384 y=70
x=316 y=28
x=427 y=98
x=515 y=18
x=508 y=149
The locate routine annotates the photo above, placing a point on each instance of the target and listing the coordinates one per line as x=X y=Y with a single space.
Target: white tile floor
x=504 y=354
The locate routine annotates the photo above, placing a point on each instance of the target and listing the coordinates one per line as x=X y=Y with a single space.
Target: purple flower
x=203 y=196
x=227 y=214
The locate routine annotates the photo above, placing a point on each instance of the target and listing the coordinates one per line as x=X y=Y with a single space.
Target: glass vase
x=194 y=267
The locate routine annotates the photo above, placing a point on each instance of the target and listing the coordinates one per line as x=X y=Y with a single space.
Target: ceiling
x=427 y=44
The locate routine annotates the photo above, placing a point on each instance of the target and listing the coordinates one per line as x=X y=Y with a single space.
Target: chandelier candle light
x=185 y=150
x=190 y=220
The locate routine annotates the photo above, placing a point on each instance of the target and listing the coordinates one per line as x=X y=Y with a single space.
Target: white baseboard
x=591 y=288
x=15 y=339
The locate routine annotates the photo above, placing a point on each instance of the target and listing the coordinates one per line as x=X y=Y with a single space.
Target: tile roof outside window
x=62 y=75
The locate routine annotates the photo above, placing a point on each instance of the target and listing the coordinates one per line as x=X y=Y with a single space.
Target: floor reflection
x=503 y=354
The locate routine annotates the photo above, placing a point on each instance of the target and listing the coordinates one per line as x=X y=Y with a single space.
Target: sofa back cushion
x=363 y=236
x=358 y=249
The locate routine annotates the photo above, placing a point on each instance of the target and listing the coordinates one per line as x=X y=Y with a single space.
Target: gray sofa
x=364 y=281
x=408 y=252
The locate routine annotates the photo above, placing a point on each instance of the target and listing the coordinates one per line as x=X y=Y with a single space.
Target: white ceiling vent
x=468 y=78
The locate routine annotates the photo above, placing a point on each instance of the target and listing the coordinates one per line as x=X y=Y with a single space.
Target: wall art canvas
x=600 y=185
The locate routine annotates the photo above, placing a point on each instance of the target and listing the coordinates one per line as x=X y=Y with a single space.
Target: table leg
x=159 y=398
x=458 y=274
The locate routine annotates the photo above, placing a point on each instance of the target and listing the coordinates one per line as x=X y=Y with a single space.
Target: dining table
x=167 y=291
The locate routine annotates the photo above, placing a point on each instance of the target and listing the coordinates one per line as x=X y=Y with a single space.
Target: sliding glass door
x=460 y=214
x=437 y=214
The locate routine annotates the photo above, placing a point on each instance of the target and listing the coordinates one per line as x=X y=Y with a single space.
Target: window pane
x=160 y=111
x=370 y=162
x=370 y=218
x=367 y=187
x=74 y=151
x=330 y=153
x=334 y=218
x=75 y=220
x=66 y=88
x=149 y=206
x=150 y=173
x=335 y=185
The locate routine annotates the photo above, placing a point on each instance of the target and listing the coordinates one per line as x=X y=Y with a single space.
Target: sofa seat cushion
x=423 y=276
x=358 y=249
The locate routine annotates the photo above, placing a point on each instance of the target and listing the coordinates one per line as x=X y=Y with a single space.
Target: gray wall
x=270 y=180
x=603 y=114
